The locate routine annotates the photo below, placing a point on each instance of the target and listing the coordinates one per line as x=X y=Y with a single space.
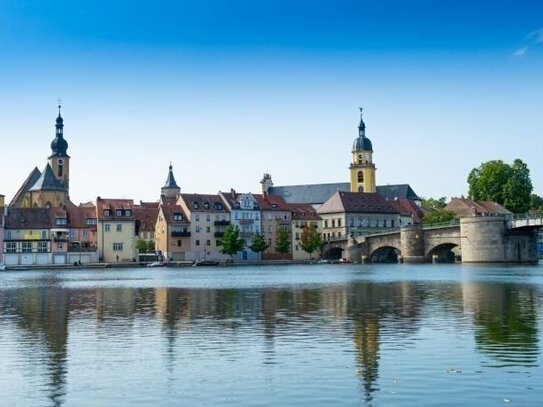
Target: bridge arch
x=385 y=254
x=333 y=253
x=446 y=252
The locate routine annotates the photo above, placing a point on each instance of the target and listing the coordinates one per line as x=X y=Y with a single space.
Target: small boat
x=344 y=260
x=2 y=267
x=205 y=263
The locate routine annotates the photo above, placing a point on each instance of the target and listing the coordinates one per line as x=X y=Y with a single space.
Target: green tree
x=282 y=242
x=310 y=240
x=142 y=246
x=432 y=204
x=438 y=216
x=509 y=185
x=231 y=242
x=536 y=203
x=258 y=243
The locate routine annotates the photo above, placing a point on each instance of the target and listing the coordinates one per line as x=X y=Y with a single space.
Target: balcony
x=181 y=233
x=219 y=234
x=60 y=239
x=221 y=222
x=76 y=249
x=284 y=222
x=246 y=221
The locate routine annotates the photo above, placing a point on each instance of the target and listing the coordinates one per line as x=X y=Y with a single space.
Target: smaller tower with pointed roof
x=170 y=189
x=362 y=167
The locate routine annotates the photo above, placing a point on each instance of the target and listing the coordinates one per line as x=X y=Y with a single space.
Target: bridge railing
x=524 y=216
x=440 y=225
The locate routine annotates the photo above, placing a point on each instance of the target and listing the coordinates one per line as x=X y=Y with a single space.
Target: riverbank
x=175 y=264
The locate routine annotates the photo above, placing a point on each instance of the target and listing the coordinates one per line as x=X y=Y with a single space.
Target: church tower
x=170 y=189
x=59 y=160
x=362 y=167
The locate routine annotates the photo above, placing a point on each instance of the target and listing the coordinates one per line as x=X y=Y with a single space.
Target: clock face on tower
x=60 y=161
x=359 y=156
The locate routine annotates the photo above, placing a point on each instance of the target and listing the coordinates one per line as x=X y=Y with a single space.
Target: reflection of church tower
x=170 y=188
x=362 y=167
x=59 y=159
x=366 y=341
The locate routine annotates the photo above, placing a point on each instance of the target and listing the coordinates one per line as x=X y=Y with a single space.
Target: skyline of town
x=239 y=89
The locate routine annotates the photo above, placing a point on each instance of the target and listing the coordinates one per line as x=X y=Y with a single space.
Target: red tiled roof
x=169 y=210
x=469 y=207
x=78 y=215
x=271 y=202
x=407 y=207
x=146 y=217
x=201 y=200
x=112 y=205
x=303 y=212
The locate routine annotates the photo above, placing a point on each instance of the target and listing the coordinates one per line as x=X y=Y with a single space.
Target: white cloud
x=536 y=37
x=520 y=52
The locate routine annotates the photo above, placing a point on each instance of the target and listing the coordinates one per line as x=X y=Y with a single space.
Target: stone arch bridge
x=482 y=239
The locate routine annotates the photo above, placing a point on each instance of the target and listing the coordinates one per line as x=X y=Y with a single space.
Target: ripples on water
x=305 y=335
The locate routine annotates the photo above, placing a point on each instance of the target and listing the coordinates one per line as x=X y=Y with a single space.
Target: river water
x=400 y=335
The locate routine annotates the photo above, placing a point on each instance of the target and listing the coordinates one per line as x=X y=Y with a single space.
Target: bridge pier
x=412 y=244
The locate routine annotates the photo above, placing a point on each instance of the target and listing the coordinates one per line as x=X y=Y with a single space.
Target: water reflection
x=370 y=315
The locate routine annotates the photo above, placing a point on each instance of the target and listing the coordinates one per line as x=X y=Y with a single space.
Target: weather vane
x=59 y=100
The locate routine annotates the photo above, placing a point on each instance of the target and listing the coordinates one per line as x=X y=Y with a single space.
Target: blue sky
x=228 y=90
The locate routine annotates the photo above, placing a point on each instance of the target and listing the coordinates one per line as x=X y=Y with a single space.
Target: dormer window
x=119 y=212
x=218 y=206
x=177 y=217
x=128 y=212
x=61 y=221
x=195 y=205
x=107 y=212
x=90 y=221
x=206 y=206
x=274 y=206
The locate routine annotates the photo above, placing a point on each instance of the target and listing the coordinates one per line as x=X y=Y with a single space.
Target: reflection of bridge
x=476 y=239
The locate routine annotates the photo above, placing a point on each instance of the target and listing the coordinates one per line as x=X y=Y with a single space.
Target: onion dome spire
x=170 y=181
x=362 y=143
x=59 y=145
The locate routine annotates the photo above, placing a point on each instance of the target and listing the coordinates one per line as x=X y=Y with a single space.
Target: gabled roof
x=113 y=205
x=232 y=199
x=357 y=202
x=32 y=178
x=316 y=194
x=28 y=218
x=397 y=191
x=303 y=212
x=168 y=212
x=146 y=217
x=407 y=207
x=197 y=203
x=271 y=202
x=78 y=215
x=465 y=207
x=47 y=181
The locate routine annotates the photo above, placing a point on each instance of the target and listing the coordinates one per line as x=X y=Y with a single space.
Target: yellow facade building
x=362 y=167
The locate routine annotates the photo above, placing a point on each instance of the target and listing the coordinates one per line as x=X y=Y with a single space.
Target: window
x=107 y=212
x=217 y=242
x=60 y=246
x=333 y=223
x=107 y=227
x=128 y=212
x=339 y=223
x=61 y=221
x=297 y=237
x=197 y=217
x=11 y=247
x=360 y=176
x=385 y=223
x=197 y=229
x=42 y=247
x=44 y=234
x=119 y=227
x=195 y=205
x=197 y=243
x=179 y=242
x=208 y=229
x=392 y=223
x=8 y=234
x=208 y=242
x=85 y=233
x=218 y=206
x=296 y=247
x=90 y=221
x=117 y=247
x=27 y=247
x=360 y=188
x=177 y=216
x=208 y=218
x=72 y=233
x=326 y=223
